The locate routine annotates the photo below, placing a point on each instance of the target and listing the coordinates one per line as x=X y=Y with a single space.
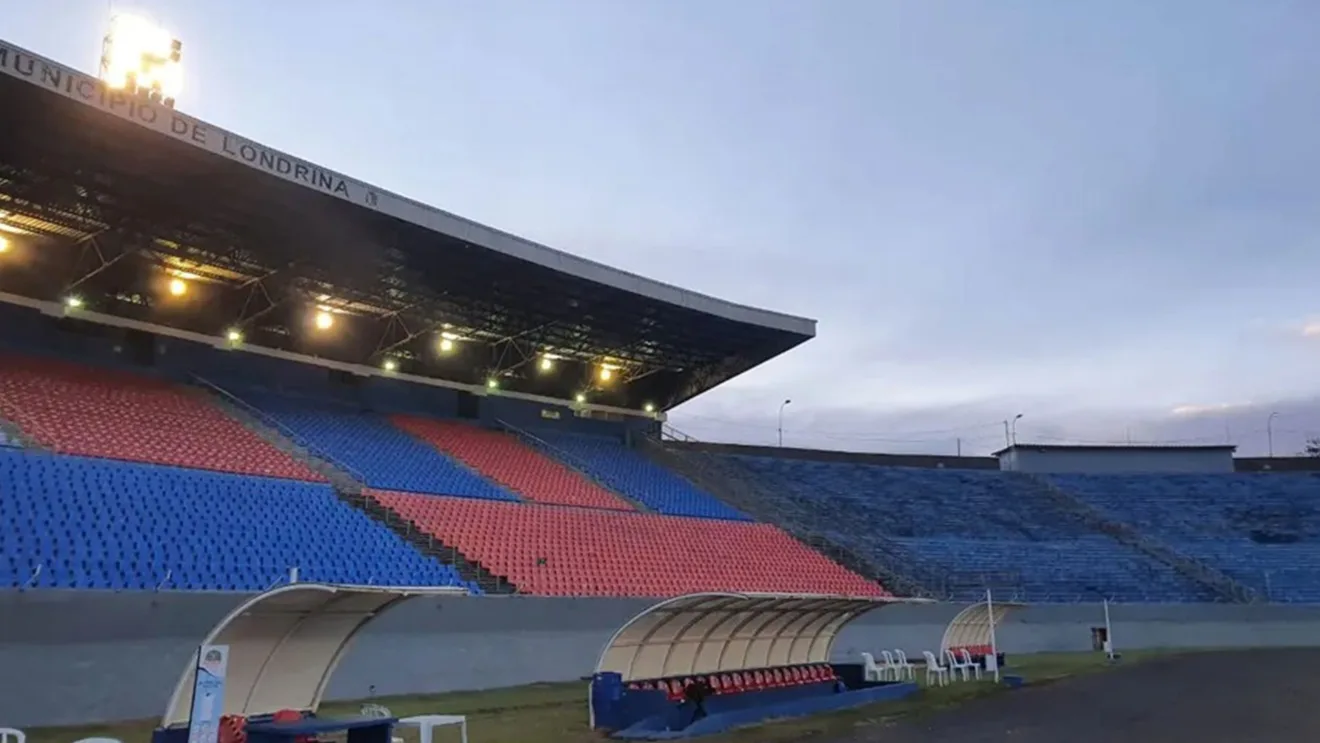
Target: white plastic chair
x=971 y=663
x=870 y=671
x=958 y=667
x=891 y=667
x=12 y=735
x=933 y=668
x=902 y=667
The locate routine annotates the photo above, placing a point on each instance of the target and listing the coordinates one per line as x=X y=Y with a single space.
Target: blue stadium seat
x=635 y=476
x=93 y=523
x=961 y=524
x=1261 y=529
x=386 y=457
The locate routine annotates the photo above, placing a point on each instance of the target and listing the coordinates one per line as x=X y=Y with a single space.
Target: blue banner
x=208 y=694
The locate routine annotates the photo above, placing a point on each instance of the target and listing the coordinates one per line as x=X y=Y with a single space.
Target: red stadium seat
x=552 y=551
x=105 y=413
x=504 y=459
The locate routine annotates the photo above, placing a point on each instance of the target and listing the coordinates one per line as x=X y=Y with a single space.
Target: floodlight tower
x=142 y=58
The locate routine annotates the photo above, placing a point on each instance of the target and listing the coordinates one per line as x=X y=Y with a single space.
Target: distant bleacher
x=554 y=551
x=75 y=522
x=1261 y=529
x=964 y=523
x=628 y=472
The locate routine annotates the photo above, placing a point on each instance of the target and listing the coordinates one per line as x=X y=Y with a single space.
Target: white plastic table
x=426 y=723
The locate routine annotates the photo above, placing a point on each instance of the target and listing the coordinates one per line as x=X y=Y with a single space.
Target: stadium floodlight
x=324 y=320
x=140 y=57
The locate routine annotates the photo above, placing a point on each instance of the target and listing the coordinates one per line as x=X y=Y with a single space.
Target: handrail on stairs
x=271 y=421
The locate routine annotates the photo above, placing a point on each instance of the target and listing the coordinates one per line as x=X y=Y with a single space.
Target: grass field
x=557 y=713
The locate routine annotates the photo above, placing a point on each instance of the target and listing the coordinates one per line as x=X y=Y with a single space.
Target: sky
x=1103 y=216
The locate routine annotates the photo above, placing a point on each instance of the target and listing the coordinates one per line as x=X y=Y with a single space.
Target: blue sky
x=1095 y=214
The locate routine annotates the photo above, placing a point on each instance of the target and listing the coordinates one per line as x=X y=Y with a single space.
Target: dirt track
x=1237 y=697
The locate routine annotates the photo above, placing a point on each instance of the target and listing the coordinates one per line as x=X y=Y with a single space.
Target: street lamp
x=1269 y=433
x=782 y=405
x=1010 y=430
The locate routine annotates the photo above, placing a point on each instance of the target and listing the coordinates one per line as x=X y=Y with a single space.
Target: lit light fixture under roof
x=446 y=345
x=649 y=407
x=492 y=383
x=547 y=363
x=324 y=320
x=606 y=373
x=4 y=244
x=580 y=398
x=178 y=287
x=73 y=301
x=390 y=365
x=234 y=335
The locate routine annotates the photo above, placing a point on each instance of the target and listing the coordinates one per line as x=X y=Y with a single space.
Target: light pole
x=1269 y=433
x=782 y=405
x=1010 y=430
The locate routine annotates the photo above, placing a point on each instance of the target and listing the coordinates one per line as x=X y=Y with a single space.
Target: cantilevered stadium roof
x=116 y=191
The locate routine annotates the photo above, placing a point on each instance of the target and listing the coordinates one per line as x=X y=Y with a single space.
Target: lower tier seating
x=628 y=472
x=502 y=458
x=109 y=413
x=75 y=522
x=375 y=450
x=961 y=530
x=552 y=551
x=1261 y=529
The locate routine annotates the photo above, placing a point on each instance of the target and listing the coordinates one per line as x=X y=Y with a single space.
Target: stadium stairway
x=716 y=476
x=349 y=486
x=1221 y=583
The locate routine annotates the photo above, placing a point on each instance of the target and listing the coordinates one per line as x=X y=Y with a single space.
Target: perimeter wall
x=83 y=657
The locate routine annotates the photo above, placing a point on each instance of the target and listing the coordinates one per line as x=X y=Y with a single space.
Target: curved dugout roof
x=720 y=632
x=971 y=626
x=284 y=645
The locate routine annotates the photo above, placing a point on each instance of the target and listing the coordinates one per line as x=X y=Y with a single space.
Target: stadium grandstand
x=222 y=367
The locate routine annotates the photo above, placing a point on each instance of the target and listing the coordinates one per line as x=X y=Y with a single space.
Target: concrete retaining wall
x=89 y=657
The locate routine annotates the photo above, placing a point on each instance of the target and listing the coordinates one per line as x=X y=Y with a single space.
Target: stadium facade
x=223 y=367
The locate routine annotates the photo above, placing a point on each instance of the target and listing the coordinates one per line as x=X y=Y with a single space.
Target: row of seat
x=960 y=530
x=505 y=460
x=109 y=413
x=737 y=682
x=549 y=550
x=199 y=529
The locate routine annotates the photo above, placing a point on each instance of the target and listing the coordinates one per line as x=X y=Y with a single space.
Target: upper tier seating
x=502 y=458
x=635 y=476
x=96 y=523
x=1261 y=529
x=553 y=551
x=384 y=456
x=964 y=526
x=118 y=415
